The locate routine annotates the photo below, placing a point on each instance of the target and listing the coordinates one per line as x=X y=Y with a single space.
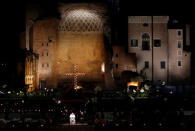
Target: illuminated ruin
x=77 y=37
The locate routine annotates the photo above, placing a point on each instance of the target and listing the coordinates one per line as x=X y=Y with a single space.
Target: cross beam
x=75 y=75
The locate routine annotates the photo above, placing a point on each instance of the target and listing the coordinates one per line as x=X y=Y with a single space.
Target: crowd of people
x=40 y=113
x=161 y=112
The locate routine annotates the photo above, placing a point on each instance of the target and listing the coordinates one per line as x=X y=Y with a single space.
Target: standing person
x=72 y=119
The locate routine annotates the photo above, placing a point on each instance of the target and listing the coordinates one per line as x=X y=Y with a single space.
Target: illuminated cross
x=75 y=75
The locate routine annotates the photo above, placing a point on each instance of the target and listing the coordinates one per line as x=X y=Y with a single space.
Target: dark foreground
x=99 y=113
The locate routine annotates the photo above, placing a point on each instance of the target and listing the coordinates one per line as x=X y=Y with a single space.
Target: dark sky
x=12 y=22
x=13 y=12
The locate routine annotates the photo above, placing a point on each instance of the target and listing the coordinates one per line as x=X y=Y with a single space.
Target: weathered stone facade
x=178 y=74
x=44 y=44
x=166 y=52
x=76 y=38
x=31 y=71
x=123 y=61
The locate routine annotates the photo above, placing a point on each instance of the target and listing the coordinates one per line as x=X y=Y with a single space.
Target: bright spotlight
x=103 y=67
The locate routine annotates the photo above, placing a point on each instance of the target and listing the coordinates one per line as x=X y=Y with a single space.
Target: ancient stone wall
x=76 y=38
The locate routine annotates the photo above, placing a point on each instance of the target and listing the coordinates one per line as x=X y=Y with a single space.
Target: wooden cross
x=75 y=75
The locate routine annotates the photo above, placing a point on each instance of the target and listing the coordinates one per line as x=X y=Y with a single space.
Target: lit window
x=146 y=64
x=179 y=44
x=103 y=67
x=162 y=64
x=145 y=41
x=157 y=43
x=179 y=63
x=134 y=43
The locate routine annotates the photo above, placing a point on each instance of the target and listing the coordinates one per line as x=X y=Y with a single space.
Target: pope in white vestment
x=72 y=119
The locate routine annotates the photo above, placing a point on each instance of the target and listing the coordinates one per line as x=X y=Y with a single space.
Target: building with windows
x=68 y=45
x=75 y=46
x=159 y=47
x=122 y=61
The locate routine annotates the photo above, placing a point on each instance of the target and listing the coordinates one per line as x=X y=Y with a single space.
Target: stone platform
x=77 y=127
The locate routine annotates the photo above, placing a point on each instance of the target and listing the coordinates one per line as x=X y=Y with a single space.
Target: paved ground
x=78 y=127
